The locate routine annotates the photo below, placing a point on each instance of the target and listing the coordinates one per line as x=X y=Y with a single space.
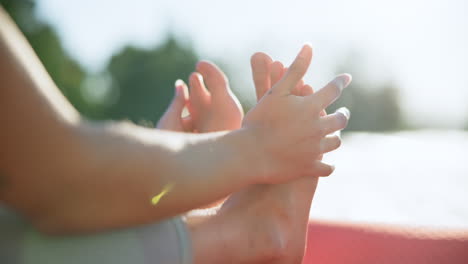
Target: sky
x=420 y=46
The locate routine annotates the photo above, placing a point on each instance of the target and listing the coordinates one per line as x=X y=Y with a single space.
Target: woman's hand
x=289 y=128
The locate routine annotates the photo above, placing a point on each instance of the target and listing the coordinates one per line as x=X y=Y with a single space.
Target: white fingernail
x=179 y=82
x=344 y=111
x=342 y=80
x=347 y=78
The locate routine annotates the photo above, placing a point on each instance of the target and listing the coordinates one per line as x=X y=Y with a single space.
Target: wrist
x=214 y=165
x=248 y=157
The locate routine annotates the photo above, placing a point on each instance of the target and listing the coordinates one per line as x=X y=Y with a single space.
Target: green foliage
x=374 y=109
x=144 y=79
x=66 y=72
x=138 y=84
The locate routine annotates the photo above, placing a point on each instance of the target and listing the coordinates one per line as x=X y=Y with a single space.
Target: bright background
x=404 y=161
x=418 y=45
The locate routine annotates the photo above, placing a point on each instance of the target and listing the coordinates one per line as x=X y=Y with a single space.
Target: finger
x=199 y=96
x=261 y=63
x=173 y=113
x=215 y=80
x=180 y=99
x=332 y=91
x=329 y=143
x=307 y=90
x=277 y=71
x=334 y=122
x=297 y=69
x=297 y=90
x=187 y=123
x=321 y=169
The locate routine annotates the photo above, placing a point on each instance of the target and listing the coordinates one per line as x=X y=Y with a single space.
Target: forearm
x=107 y=177
x=69 y=175
x=131 y=165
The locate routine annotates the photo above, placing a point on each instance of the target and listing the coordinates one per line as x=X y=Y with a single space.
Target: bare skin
x=68 y=175
x=263 y=223
x=212 y=106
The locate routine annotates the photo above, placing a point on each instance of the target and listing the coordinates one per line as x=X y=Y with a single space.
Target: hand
x=267 y=73
x=254 y=225
x=214 y=110
x=290 y=129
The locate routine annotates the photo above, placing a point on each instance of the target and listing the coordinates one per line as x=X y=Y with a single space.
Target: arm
x=67 y=174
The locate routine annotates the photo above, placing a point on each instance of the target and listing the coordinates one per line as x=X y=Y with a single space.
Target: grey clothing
x=165 y=242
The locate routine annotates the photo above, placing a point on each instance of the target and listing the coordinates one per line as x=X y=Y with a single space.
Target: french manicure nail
x=179 y=82
x=347 y=78
x=344 y=111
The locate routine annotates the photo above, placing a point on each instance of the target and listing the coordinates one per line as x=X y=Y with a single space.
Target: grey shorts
x=165 y=242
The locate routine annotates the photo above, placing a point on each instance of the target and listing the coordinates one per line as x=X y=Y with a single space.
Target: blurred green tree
x=67 y=74
x=373 y=106
x=144 y=79
x=371 y=110
x=138 y=84
x=140 y=80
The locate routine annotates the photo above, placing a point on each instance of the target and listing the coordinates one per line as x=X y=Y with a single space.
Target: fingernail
x=344 y=111
x=347 y=78
x=342 y=80
x=200 y=77
x=333 y=168
x=179 y=82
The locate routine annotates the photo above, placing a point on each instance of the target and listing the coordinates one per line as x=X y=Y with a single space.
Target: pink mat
x=333 y=243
